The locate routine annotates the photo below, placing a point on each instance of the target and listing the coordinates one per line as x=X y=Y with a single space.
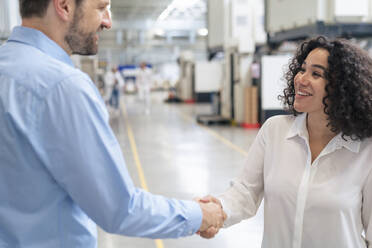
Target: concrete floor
x=182 y=159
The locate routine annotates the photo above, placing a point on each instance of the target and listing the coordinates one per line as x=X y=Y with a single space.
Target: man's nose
x=107 y=21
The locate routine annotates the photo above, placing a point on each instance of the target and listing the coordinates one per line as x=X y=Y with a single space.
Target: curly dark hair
x=348 y=100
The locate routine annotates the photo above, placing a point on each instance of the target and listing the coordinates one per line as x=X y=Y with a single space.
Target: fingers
x=209 y=233
x=210 y=198
x=213 y=216
x=213 y=199
x=224 y=215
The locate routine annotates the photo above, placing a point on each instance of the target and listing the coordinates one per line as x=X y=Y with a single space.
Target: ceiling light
x=203 y=32
x=159 y=32
x=180 y=5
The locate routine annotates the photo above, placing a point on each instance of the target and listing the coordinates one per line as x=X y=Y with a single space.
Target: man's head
x=143 y=65
x=74 y=23
x=91 y=17
x=30 y=8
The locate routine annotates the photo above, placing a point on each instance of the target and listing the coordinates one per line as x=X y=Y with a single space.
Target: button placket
x=307 y=178
x=301 y=200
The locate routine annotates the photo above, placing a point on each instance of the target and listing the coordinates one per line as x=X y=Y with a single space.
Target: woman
x=314 y=167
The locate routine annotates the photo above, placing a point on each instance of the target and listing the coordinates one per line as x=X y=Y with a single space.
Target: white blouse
x=324 y=204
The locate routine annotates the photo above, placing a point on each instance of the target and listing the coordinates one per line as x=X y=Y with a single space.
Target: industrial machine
x=208 y=79
x=333 y=18
x=234 y=30
x=185 y=88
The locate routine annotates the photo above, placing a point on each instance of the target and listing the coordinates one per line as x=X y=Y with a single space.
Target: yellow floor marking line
x=217 y=136
x=158 y=242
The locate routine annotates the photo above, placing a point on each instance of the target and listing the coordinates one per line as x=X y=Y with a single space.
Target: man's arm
x=84 y=158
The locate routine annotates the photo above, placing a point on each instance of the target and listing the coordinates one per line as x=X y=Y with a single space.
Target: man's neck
x=44 y=26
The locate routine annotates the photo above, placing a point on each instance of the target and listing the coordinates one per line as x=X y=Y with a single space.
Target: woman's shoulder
x=279 y=121
x=366 y=144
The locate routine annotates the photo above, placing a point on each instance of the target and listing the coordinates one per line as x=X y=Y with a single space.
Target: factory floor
x=168 y=153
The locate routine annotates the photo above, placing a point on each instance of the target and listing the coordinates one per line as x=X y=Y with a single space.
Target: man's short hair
x=30 y=8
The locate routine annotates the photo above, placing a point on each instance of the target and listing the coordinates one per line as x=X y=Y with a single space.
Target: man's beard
x=80 y=42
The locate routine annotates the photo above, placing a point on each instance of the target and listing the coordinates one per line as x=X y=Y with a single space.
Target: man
x=61 y=167
x=144 y=80
x=114 y=83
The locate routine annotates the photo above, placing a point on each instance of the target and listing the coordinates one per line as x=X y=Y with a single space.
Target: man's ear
x=64 y=9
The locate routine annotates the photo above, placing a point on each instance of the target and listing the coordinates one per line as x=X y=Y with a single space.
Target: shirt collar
x=352 y=145
x=299 y=128
x=42 y=42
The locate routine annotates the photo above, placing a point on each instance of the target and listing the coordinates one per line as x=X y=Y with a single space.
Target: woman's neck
x=318 y=129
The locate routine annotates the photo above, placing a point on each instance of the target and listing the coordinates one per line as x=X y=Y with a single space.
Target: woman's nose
x=303 y=78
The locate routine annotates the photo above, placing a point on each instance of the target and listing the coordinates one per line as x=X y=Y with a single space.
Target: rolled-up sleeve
x=79 y=149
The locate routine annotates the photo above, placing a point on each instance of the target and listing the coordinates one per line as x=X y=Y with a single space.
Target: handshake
x=213 y=216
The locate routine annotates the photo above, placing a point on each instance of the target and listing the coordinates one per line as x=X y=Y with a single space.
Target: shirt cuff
x=194 y=218
x=226 y=210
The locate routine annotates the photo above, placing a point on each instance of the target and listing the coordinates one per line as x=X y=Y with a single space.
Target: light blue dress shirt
x=61 y=167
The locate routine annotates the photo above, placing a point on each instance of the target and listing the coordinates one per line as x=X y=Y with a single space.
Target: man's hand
x=210 y=198
x=213 y=216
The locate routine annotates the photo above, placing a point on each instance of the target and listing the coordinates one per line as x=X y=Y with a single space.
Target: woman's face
x=310 y=82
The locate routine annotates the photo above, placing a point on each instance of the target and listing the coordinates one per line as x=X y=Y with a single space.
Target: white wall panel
x=242 y=25
x=236 y=23
x=216 y=23
x=208 y=76
x=273 y=68
x=9 y=16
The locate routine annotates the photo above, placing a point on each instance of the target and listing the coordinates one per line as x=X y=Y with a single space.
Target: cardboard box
x=251 y=105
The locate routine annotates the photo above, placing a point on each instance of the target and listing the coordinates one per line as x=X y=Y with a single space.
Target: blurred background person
x=144 y=83
x=114 y=82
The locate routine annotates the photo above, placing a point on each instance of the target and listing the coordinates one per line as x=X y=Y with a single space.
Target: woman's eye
x=316 y=74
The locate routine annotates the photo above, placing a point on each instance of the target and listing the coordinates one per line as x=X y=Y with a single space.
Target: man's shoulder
x=34 y=69
x=55 y=69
